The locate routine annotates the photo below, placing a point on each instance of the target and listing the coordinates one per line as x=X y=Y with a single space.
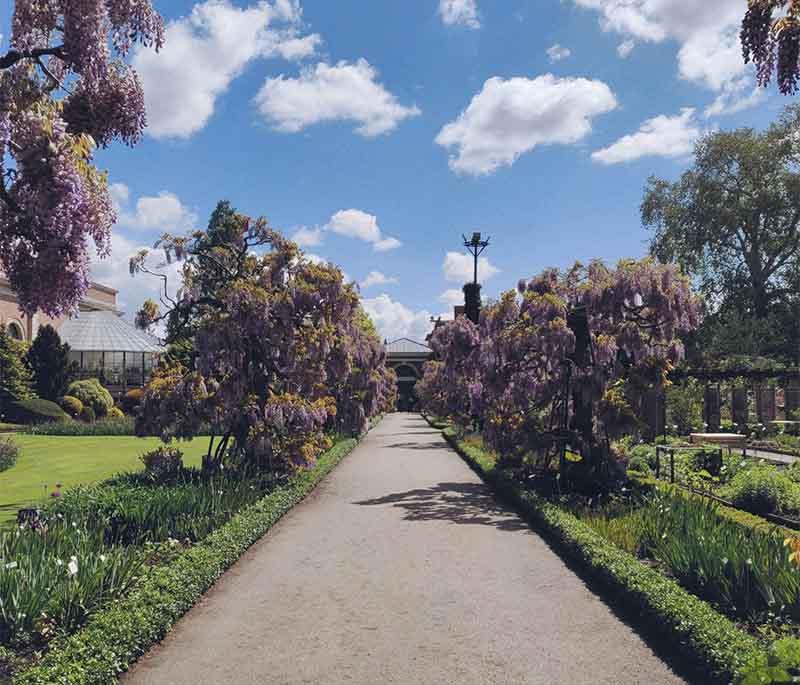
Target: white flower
x=102 y=557
x=11 y=565
x=72 y=566
x=724 y=560
x=59 y=562
x=749 y=562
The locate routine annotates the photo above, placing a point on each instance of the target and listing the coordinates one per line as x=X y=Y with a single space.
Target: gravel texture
x=401 y=568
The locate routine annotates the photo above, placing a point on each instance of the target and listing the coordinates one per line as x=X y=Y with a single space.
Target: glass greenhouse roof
x=106 y=332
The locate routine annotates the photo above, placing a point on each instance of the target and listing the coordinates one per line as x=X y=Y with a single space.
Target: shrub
x=780 y=665
x=49 y=361
x=131 y=400
x=72 y=405
x=115 y=413
x=101 y=427
x=9 y=453
x=763 y=490
x=163 y=464
x=35 y=411
x=92 y=394
x=88 y=415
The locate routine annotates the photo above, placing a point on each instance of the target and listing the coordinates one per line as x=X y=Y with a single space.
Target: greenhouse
x=107 y=347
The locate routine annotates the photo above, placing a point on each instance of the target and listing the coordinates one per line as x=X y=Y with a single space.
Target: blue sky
x=381 y=131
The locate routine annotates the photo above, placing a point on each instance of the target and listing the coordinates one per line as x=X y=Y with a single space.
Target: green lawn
x=45 y=461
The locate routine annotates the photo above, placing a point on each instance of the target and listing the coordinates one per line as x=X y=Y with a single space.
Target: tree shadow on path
x=462 y=503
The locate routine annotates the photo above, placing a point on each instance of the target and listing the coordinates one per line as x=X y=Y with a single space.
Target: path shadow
x=433 y=445
x=462 y=503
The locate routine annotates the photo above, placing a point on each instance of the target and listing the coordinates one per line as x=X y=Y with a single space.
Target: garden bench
x=725 y=439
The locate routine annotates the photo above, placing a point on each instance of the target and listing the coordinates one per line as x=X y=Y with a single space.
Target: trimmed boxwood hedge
x=711 y=642
x=117 y=635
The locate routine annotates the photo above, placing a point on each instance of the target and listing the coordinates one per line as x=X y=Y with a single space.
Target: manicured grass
x=45 y=461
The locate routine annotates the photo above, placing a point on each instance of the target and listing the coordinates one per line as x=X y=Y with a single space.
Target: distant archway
x=15 y=331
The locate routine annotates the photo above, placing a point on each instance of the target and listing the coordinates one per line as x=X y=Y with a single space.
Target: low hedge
x=117 y=635
x=102 y=427
x=711 y=642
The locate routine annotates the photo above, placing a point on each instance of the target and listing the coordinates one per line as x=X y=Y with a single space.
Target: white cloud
x=625 y=48
x=394 y=320
x=307 y=237
x=452 y=296
x=556 y=53
x=205 y=51
x=732 y=100
x=376 y=278
x=353 y=223
x=342 y=92
x=460 y=12
x=661 y=136
x=162 y=212
x=508 y=118
x=707 y=33
x=459 y=268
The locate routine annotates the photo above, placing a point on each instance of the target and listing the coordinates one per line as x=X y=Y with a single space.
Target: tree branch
x=13 y=56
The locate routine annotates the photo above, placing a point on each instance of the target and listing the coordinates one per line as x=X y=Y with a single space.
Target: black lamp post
x=472 y=291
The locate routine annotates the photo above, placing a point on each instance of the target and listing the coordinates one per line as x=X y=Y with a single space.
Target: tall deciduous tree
x=48 y=359
x=64 y=89
x=733 y=220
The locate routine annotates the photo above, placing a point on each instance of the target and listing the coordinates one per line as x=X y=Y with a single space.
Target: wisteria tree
x=609 y=335
x=267 y=349
x=64 y=89
x=770 y=38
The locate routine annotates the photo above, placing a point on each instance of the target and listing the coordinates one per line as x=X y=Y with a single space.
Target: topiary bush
x=163 y=464
x=88 y=415
x=9 y=453
x=763 y=490
x=34 y=411
x=131 y=400
x=72 y=405
x=92 y=394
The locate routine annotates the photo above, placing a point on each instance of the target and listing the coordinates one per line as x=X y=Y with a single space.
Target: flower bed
x=124 y=622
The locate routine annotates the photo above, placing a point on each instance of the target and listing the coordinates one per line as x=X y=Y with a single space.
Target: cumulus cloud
x=162 y=212
x=394 y=320
x=460 y=12
x=341 y=92
x=707 y=33
x=556 y=53
x=376 y=278
x=353 y=223
x=452 y=296
x=508 y=118
x=205 y=51
x=459 y=268
x=307 y=237
x=661 y=136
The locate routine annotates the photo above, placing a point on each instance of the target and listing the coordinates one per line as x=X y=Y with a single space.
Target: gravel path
x=401 y=568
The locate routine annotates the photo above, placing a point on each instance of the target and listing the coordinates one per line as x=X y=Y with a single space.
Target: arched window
x=15 y=331
x=406 y=371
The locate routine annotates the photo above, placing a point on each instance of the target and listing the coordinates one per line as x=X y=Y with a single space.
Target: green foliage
x=15 y=376
x=747 y=571
x=9 y=453
x=72 y=405
x=116 y=635
x=115 y=414
x=87 y=414
x=778 y=666
x=91 y=392
x=51 y=581
x=764 y=490
x=685 y=407
x=49 y=361
x=709 y=639
x=86 y=427
x=35 y=411
x=163 y=464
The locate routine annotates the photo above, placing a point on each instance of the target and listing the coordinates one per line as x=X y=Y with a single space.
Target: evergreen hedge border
x=712 y=645
x=118 y=634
